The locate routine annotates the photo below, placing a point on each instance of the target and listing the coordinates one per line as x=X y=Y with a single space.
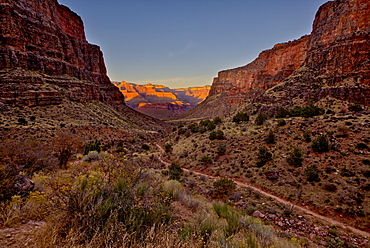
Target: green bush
x=307 y=136
x=312 y=174
x=92 y=146
x=308 y=111
x=194 y=127
x=210 y=125
x=216 y=135
x=295 y=157
x=281 y=122
x=241 y=117
x=217 y=120
x=320 y=144
x=270 y=138
x=221 y=149
x=355 y=108
x=206 y=160
x=281 y=113
x=168 y=148
x=261 y=118
x=22 y=121
x=223 y=188
x=175 y=171
x=145 y=147
x=263 y=156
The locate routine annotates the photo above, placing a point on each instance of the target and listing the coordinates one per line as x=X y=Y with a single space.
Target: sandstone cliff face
x=334 y=58
x=271 y=67
x=339 y=48
x=44 y=56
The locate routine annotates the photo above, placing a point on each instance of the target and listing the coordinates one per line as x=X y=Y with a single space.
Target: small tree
x=221 y=149
x=295 y=157
x=261 y=118
x=312 y=174
x=320 y=144
x=223 y=187
x=65 y=145
x=175 y=170
x=92 y=146
x=263 y=156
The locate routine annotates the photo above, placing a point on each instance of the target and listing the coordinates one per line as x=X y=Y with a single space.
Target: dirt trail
x=278 y=199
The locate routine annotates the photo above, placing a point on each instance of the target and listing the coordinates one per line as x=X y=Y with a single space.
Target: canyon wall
x=44 y=57
x=271 y=67
x=336 y=53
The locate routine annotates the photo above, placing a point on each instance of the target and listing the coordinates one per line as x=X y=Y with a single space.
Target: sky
x=184 y=43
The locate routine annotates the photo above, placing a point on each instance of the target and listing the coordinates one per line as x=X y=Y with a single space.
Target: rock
x=272 y=175
x=258 y=214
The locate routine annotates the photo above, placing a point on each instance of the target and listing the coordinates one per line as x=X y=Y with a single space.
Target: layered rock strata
x=335 y=57
x=44 y=57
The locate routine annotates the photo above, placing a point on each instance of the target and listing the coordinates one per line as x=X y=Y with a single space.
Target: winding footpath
x=278 y=199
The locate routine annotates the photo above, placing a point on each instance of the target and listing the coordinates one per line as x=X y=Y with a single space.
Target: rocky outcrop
x=44 y=57
x=160 y=101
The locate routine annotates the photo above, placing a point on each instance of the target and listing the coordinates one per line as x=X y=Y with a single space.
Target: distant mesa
x=160 y=101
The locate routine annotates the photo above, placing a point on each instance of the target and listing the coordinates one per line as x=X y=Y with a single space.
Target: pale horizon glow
x=182 y=44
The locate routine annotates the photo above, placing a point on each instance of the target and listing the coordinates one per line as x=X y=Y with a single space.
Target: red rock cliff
x=338 y=50
x=44 y=56
x=271 y=67
x=339 y=47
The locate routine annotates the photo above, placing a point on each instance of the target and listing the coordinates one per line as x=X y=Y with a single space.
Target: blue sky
x=182 y=43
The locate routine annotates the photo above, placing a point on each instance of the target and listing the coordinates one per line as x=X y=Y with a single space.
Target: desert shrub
x=241 y=117
x=194 y=127
x=217 y=120
x=175 y=171
x=208 y=124
x=92 y=156
x=219 y=134
x=362 y=146
x=173 y=188
x=307 y=136
x=346 y=172
x=281 y=113
x=263 y=156
x=231 y=215
x=330 y=187
x=295 y=157
x=181 y=130
x=320 y=144
x=168 y=148
x=261 y=118
x=270 y=138
x=145 y=147
x=22 y=121
x=355 y=108
x=95 y=210
x=206 y=160
x=223 y=187
x=281 y=122
x=92 y=146
x=307 y=111
x=312 y=174
x=221 y=149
